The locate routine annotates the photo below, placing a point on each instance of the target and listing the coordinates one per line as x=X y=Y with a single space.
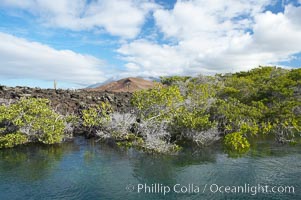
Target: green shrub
x=195 y=119
x=159 y=103
x=33 y=118
x=234 y=116
x=95 y=117
x=236 y=142
x=13 y=139
x=174 y=79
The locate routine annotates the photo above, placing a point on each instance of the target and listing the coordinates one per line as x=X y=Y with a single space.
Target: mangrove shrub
x=30 y=120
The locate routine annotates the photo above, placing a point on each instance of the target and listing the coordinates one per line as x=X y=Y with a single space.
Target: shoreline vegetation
x=178 y=112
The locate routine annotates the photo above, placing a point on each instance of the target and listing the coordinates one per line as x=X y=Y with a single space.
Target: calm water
x=87 y=170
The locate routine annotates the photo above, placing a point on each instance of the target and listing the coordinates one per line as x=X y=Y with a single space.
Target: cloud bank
x=20 y=58
x=217 y=36
x=122 y=18
x=190 y=37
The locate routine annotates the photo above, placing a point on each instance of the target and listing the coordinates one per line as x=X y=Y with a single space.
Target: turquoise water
x=84 y=169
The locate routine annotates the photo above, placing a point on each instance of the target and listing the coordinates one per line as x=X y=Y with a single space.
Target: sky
x=82 y=42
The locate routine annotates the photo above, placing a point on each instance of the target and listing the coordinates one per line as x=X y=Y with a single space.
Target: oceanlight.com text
x=157 y=188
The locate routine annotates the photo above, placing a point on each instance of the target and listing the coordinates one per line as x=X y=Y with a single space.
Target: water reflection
x=32 y=162
x=267 y=148
x=85 y=169
x=162 y=168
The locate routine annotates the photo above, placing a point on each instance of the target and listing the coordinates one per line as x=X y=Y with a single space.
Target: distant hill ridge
x=129 y=84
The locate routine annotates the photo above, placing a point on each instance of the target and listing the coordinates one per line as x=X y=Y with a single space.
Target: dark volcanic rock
x=68 y=101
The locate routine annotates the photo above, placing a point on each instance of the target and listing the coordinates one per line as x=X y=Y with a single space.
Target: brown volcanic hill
x=125 y=85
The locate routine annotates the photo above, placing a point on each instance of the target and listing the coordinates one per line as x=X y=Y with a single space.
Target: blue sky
x=82 y=42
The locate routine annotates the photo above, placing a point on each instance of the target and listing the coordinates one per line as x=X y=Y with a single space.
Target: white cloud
x=294 y=14
x=217 y=36
x=152 y=59
x=22 y=59
x=117 y=17
x=278 y=33
x=210 y=18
